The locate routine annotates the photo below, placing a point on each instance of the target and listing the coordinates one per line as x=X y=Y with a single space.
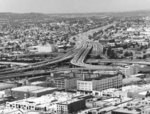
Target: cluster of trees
x=127 y=54
x=111 y=53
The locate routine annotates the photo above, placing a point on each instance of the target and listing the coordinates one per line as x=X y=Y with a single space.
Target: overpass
x=14 y=63
x=76 y=56
x=141 y=62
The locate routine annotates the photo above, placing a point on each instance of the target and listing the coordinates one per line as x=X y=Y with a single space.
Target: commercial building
x=48 y=103
x=100 y=83
x=137 y=91
x=124 y=111
x=5 y=86
x=73 y=105
x=70 y=106
x=130 y=70
x=98 y=110
x=24 y=91
x=40 y=83
x=40 y=92
x=65 y=82
x=30 y=91
x=12 y=111
x=146 y=110
x=42 y=48
x=139 y=103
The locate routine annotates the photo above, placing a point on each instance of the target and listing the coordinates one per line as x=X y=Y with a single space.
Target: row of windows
x=100 y=84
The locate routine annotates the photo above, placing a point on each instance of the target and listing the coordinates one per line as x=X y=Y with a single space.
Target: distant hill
x=71 y=15
x=132 y=13
x=23 y=15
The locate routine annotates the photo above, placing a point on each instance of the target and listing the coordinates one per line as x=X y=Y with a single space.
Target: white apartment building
x=100 y=83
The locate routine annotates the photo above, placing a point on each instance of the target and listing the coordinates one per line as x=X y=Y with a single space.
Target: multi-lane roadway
x=77 y=57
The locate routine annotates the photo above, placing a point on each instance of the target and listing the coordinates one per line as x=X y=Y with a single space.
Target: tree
x=126 y=54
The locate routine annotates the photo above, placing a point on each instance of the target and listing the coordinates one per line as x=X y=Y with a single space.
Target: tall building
x=100 y=83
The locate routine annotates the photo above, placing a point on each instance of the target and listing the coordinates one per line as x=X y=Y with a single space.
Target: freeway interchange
x=76 y=56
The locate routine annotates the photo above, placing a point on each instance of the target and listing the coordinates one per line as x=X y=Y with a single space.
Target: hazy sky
x=72 y=6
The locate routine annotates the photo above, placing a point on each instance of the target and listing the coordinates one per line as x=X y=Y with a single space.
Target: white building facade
x=100 y=84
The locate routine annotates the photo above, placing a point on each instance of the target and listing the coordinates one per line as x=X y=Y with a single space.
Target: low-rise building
x=31 y=91
x=41 y=83
x=100 y=83
x=124 y=111
x=130 y=70
x=24 y=91
x=70 y=106
x=5 y=86
x=49 y=103
x=146 y=110
x=65 y=82
x=40 y=92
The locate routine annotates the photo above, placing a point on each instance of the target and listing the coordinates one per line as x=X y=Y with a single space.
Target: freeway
x=142 y=62
x=14 y=63
x=77 y=55
x=80 y=57
x=83 y=36
x=34 y=66
x=38 y=73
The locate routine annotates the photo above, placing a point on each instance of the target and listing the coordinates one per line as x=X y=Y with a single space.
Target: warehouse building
x=38 y=93
x=5 y=86
x=30 y=91
x=41 y=83
x=100 y=83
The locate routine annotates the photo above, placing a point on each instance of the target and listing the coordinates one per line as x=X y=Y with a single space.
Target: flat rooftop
x=27 y=88
x=6 y=85
x=43 y=90
x=64 y=77
x=100 y=77
x=131 y=80
x=70 y=101
x=122 y=110
x=38 y=82
x=46 y=100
